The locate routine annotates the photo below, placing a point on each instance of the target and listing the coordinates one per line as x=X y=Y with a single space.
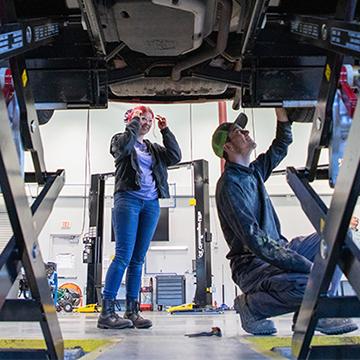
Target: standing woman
x=140 y=180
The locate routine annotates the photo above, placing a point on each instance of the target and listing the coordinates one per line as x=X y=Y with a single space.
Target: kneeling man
x=271 y=272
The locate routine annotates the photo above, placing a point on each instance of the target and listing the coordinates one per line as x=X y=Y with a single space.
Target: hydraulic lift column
x=203 y=294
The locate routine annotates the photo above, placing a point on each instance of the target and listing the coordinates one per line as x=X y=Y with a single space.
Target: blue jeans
x=134 y=223
x=271 y=291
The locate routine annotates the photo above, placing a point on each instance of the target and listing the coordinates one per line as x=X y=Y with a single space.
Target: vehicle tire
x=44 y=116
x=68 y=307
x=58 y=308
x=302 y=115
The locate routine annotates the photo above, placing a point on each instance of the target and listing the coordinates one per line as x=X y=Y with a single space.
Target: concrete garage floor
x=165 y=340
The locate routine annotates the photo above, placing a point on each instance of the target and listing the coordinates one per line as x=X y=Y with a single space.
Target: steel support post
x=20 y=216
x=10 y=258
x=96 y=234
x=203 y=294
x=316 y=211
x=323 y=115
x=29 y=37
x=25 y=224
x=334 y=230
x=28 y=117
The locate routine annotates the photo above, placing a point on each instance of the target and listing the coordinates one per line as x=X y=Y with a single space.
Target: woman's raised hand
x=162 y=122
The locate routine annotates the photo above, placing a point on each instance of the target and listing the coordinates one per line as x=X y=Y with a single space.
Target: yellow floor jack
x=90 y=308
x=192 y=308
x=179 y=308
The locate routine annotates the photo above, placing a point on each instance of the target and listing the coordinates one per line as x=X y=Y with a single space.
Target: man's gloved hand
x=281 y=115
x=302 y=115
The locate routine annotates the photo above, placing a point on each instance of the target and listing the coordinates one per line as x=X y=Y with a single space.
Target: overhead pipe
x=91 y=18
x=115 y=51
x=237 y=97
x=221 y=42
x=242 y=25
x=222 y=119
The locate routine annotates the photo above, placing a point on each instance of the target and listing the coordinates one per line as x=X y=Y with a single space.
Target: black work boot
x=132 y=313
x=249 y=322
x=108 y=319
x=333 y=326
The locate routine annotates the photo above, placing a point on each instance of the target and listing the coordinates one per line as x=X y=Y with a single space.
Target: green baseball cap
x=221 y=133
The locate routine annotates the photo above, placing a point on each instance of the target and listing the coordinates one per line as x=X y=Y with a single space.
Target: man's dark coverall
x=271 y=271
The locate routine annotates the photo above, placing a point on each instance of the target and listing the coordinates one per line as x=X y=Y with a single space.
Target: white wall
x=64 y=139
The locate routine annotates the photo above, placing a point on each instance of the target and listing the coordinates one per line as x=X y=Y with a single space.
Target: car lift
x=339 y=37
x=23 y=250
x=203 y=236
x=93 y=241
x=92 y=254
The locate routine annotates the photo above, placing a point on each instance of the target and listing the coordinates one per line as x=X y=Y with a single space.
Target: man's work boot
x=334 y=326
x=249 y=322
x=108 y=319
x=132 y=313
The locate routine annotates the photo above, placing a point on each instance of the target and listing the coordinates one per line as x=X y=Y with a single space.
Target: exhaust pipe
x=221 y=42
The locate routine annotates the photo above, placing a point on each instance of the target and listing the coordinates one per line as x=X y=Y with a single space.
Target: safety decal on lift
x=24 y=78
x=327 y=72
x=322 y=224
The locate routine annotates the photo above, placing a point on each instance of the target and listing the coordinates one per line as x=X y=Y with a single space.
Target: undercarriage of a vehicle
x=173 y=51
